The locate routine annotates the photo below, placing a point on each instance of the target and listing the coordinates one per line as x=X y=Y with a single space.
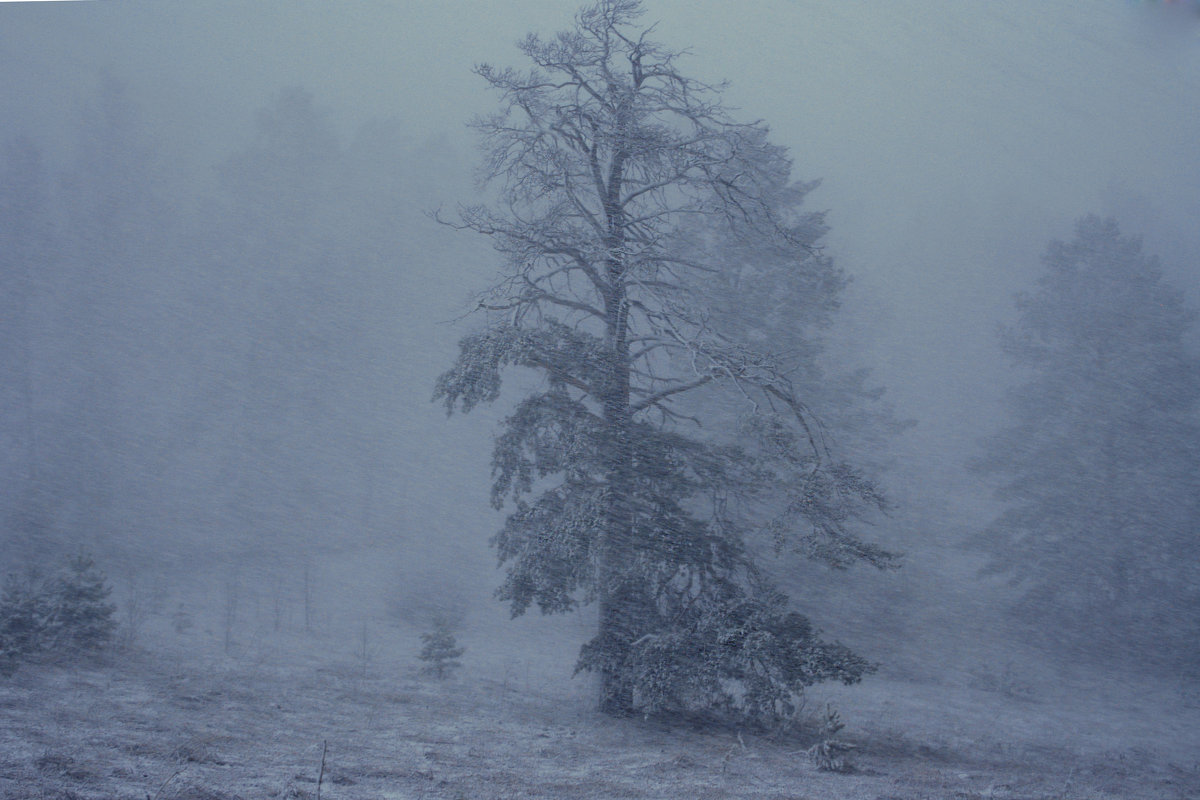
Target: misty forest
x=789 y=399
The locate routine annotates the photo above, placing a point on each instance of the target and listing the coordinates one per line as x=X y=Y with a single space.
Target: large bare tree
x=626 y=198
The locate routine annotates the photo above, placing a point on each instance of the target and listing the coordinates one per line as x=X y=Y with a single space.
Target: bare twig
x=321 y=774
x=174 y=775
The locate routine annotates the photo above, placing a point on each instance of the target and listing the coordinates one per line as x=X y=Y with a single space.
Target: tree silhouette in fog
x=1099 y=471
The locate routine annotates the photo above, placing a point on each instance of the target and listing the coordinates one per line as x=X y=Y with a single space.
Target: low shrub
x=65 y=614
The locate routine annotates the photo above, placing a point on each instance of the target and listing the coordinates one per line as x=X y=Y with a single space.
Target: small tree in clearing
x=67 y=614
x=440 y=651
x=84 y=618
x=26 y=612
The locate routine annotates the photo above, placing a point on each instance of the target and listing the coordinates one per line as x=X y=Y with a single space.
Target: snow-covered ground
x=182 y=719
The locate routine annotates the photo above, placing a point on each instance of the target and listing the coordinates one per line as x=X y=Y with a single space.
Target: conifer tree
x=83 y=618
x=1099 y=471
x=625 y=189
x=65 y=614
x=440 y=651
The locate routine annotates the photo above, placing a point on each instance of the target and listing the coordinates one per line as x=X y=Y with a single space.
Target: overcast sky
x=954 y=139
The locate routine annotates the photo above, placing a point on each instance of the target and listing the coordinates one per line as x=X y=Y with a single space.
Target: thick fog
x=226 y=298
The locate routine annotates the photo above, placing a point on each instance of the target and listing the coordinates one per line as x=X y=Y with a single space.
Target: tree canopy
x=1098 y=470
x=627 y=199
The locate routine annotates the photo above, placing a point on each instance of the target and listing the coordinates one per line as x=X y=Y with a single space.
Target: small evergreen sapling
x=66 y=614
x=440 y=651
x=84 y=617
x=26 y=612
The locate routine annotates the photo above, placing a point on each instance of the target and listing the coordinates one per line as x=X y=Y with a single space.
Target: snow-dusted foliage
x=626 y=193
x=440 y=650
x=64 y=614
x=1100 y=470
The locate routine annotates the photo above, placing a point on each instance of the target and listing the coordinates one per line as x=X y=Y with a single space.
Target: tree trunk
x=616 y=624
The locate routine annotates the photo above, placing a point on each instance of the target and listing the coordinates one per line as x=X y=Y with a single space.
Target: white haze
x=953 y=141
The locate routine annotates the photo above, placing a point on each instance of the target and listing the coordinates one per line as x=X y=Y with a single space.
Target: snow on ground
x=191 y=722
